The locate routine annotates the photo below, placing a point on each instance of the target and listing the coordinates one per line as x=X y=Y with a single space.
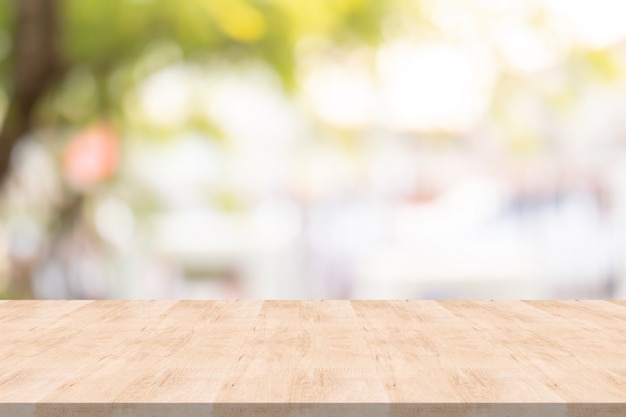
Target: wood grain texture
x=313 y=358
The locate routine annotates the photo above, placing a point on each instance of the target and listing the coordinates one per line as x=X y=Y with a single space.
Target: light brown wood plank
x=256 y=358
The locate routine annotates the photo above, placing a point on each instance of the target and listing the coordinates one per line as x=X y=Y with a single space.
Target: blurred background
x=280 y=149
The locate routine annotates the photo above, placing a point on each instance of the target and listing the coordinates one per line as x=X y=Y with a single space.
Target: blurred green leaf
x=603 y=64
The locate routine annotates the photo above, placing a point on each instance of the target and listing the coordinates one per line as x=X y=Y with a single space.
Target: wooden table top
x=292 y=358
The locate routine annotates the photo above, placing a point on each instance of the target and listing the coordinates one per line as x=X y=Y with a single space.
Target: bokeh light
x=316 y=149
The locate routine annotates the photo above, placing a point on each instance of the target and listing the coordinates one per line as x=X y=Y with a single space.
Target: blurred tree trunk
x=36 y=64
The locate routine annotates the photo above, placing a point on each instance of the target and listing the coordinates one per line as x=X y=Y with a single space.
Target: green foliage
x=603 y=65
x=103 y=35
x=6 y=15
x=110 y=45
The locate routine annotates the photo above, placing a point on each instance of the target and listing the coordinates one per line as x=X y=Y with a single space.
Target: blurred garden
x=274 y=149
